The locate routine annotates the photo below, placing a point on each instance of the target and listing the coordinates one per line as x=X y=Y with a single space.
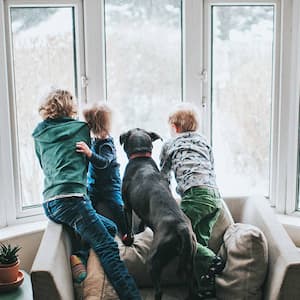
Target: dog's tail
x=187 y=252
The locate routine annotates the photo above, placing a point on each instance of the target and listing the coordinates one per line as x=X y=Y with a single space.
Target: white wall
x=29 y=244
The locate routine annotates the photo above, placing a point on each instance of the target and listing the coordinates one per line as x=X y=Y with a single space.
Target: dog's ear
x=154 y=136
x=124 y=137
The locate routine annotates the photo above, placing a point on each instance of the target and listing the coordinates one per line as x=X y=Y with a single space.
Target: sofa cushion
x=246 y=253
x=136 y=255
x=223 y=222
x=96 y=285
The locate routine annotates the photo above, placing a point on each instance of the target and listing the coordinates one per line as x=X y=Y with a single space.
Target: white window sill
x=14 y=231
x=292 y=225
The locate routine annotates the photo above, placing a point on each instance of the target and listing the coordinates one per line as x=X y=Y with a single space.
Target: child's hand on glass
x=82 y=147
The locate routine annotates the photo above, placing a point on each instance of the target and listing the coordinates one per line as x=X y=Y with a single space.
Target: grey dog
x=145 y=192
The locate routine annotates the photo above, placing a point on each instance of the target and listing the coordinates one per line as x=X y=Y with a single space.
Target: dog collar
x=140 y=154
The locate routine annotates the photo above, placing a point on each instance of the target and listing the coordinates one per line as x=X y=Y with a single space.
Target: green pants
x=202 y=206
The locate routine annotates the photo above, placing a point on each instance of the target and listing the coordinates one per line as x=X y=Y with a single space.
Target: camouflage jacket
x=190 y=157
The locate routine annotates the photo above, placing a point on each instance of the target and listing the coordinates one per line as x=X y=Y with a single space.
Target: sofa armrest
x=283 y=255
x=51 y=275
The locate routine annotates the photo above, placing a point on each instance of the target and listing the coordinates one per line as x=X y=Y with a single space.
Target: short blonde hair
x=184 y=117
x=98 y=116
x=58 y=103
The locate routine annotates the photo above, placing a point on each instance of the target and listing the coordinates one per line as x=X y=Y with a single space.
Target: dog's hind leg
x=155 y=273
x=160 y=255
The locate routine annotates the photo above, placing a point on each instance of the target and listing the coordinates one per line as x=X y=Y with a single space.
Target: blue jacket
x=104 y=170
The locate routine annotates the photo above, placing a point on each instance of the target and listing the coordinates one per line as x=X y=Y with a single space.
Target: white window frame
x=95 y=49
x=292 y=85
x=12 y=202
x=94 y=30
x=285 y=179
x=275 y=86
x=7 y=205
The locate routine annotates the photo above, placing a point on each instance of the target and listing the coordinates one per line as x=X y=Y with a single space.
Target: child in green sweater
x=65 y=192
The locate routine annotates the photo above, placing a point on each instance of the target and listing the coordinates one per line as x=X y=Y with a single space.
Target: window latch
x=203 y=75
x=204 y=101
x=84 y=81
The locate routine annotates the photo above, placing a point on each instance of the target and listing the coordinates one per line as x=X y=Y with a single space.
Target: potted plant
x=9 y=263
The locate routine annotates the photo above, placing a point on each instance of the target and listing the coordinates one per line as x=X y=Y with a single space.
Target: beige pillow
x=246 y=253
x=223 y=222
x=135 y=257
x=96 y=285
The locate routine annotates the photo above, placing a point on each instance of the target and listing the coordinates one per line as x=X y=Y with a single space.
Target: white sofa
x=51 y=275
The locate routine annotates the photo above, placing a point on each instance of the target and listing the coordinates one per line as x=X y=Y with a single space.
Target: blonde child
x=65 y=171
x=104 y=181
x=190 y=157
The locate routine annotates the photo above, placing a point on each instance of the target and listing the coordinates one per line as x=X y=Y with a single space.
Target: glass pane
x=43 y=51
x=144 y=63
x=242 y=77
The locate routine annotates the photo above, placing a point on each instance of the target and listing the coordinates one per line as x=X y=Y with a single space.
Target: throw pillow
x=135 y=257
x=96 y=286
x=246 y=253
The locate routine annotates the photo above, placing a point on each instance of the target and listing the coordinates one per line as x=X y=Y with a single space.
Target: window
x=242 y=73
x=143 y=63
x=43 y=53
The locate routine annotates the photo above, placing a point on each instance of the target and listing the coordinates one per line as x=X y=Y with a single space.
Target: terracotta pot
x=9 y=273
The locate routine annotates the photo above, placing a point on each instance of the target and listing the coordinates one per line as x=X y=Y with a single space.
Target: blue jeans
x=78 y=213
x=81 y=248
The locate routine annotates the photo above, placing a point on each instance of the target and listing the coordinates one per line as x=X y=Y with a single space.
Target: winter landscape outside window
x=143 y=64
x=43 y=56
x=242 y=57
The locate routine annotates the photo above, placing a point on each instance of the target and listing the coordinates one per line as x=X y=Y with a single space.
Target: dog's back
x=148 y=193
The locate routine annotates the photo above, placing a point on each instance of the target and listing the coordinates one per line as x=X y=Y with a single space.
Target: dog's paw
x=128 y=239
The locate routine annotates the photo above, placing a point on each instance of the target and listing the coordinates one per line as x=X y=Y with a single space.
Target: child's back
x=65 y=171
x=190 y=157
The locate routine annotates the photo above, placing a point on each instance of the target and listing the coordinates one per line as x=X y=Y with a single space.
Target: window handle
x=84 y=81
x=203 y=75
x=204 y=100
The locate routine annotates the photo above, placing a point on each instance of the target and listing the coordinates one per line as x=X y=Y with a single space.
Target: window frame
x=15 y=212
x=275 y=86
x=94 y=11
x=293 y=87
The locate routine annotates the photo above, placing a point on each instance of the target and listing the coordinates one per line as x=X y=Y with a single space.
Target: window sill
x=292 y=225
x=14 y=231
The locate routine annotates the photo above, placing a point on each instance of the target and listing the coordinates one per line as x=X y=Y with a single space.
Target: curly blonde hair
x=98 y=116
x=58 y=103
x=184 y=117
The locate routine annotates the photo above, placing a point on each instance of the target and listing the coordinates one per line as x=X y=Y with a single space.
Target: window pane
x=43 y=52
x=143 y=61
x=242 y=60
